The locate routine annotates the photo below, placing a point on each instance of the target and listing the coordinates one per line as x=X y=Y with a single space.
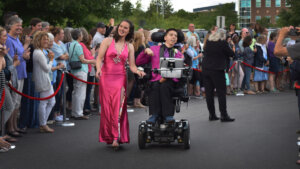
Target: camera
x=294 y=32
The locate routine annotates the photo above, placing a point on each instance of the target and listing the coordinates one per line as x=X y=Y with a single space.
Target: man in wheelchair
x=165 y=76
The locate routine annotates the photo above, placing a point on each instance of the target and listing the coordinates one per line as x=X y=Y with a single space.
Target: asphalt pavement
x=262 y=137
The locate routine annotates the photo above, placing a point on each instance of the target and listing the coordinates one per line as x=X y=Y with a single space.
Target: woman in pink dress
x=113 y=54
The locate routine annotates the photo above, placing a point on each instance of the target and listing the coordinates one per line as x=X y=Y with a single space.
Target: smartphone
x=16 y=51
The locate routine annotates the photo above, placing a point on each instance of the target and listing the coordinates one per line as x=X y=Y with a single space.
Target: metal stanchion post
x=65 y=123
x=239 y=92
x=2 y=121
x=128 y=109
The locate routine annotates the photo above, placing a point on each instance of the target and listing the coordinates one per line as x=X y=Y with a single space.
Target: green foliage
x=265 y=22
x=87 y=13
x=291 y=16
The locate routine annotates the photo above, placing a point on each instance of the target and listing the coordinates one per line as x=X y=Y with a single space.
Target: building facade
x=250 y=11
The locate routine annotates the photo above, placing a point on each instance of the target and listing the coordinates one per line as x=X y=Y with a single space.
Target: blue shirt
x=189 y=33
x=16 y=47
x=193 y=53
x=75 y=51
x=59 y=50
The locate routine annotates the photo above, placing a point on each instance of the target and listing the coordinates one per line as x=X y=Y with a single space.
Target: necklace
x=117 y=59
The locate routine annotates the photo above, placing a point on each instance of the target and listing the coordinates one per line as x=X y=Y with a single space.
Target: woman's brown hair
x=138 y=40
x=38 y=38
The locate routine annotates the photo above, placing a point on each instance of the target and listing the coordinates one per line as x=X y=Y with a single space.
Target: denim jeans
x=87 y=103
x=29 y=116
x=58 y=97
x=246 y=80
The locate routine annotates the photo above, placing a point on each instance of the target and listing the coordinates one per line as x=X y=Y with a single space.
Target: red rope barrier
x=286 y=70
x=92 y=83
x=2 y=98
x=198 y=70
x=232 y=66
x=37 y=98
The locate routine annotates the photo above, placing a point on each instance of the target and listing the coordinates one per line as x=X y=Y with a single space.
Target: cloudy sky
x=187 y=5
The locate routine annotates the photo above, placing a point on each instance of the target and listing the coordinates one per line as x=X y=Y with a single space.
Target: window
x=286 y=4
x=258 y=3
x=268 y=3
x=245 y=3
x=277 y=17
x=278 y=3
x=258 y=18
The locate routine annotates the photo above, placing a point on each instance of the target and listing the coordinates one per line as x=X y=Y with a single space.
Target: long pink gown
x=112 y=85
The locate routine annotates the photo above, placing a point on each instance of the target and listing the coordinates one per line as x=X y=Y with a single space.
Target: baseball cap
x=100 y=25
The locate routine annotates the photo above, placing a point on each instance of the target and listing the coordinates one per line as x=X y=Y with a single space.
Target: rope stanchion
x=246 y=64
x=2 y=113
x=92 y=83
x=37 y=98
x=2 y=98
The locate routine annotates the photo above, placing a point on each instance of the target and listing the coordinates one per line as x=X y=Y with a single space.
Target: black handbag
x=75 y=64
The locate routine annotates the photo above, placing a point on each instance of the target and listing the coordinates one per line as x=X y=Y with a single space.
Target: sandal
x=10 y=139
x=115 y=145
x=14 y=134
x=22 y=131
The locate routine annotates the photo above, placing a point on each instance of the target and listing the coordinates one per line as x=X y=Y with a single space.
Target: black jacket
x=259 y=60
x=216 y=55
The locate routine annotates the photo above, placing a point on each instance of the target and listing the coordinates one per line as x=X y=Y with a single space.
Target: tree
x=227 y=10
x=127 y=8
x=264 y=22
x=157 y=6
x=58 y=12
x=290 y=16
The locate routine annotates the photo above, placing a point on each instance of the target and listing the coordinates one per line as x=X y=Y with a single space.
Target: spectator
x=237 y=69
x=79 y=93
x=244 y=33
x=139 y=46
x=89 y=55
x=274 y=63
x=45 y=26
x=192 y=32
x=248 y=55
x=232 y=31
x=35 y=25
x=14 y=25
x=99 y=36
x=194 y=87
x=60 y=57
x=67 y=41
x=261 y=62
x=41 y=77
x=8 y=65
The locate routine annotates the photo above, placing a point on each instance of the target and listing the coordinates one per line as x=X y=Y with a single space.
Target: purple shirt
x=15 y=45
x=270 y=48
x=143 y=58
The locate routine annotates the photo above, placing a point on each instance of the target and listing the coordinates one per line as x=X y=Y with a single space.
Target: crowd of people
x=33 y=60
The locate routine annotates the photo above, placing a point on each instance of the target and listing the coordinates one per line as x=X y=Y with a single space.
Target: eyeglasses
x=247 y=32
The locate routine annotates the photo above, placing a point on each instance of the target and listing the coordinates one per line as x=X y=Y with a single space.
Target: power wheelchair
x=161 y=131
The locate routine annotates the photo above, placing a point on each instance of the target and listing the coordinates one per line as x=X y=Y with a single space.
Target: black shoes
x=227 y=119
x=213 y=118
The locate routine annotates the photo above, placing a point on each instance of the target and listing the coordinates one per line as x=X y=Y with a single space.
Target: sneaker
x=152 y=119
x=59 y=118
x=169 y=119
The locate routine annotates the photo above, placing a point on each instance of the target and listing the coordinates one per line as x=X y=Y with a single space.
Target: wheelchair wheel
x=186 y=137
x=141 y=140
